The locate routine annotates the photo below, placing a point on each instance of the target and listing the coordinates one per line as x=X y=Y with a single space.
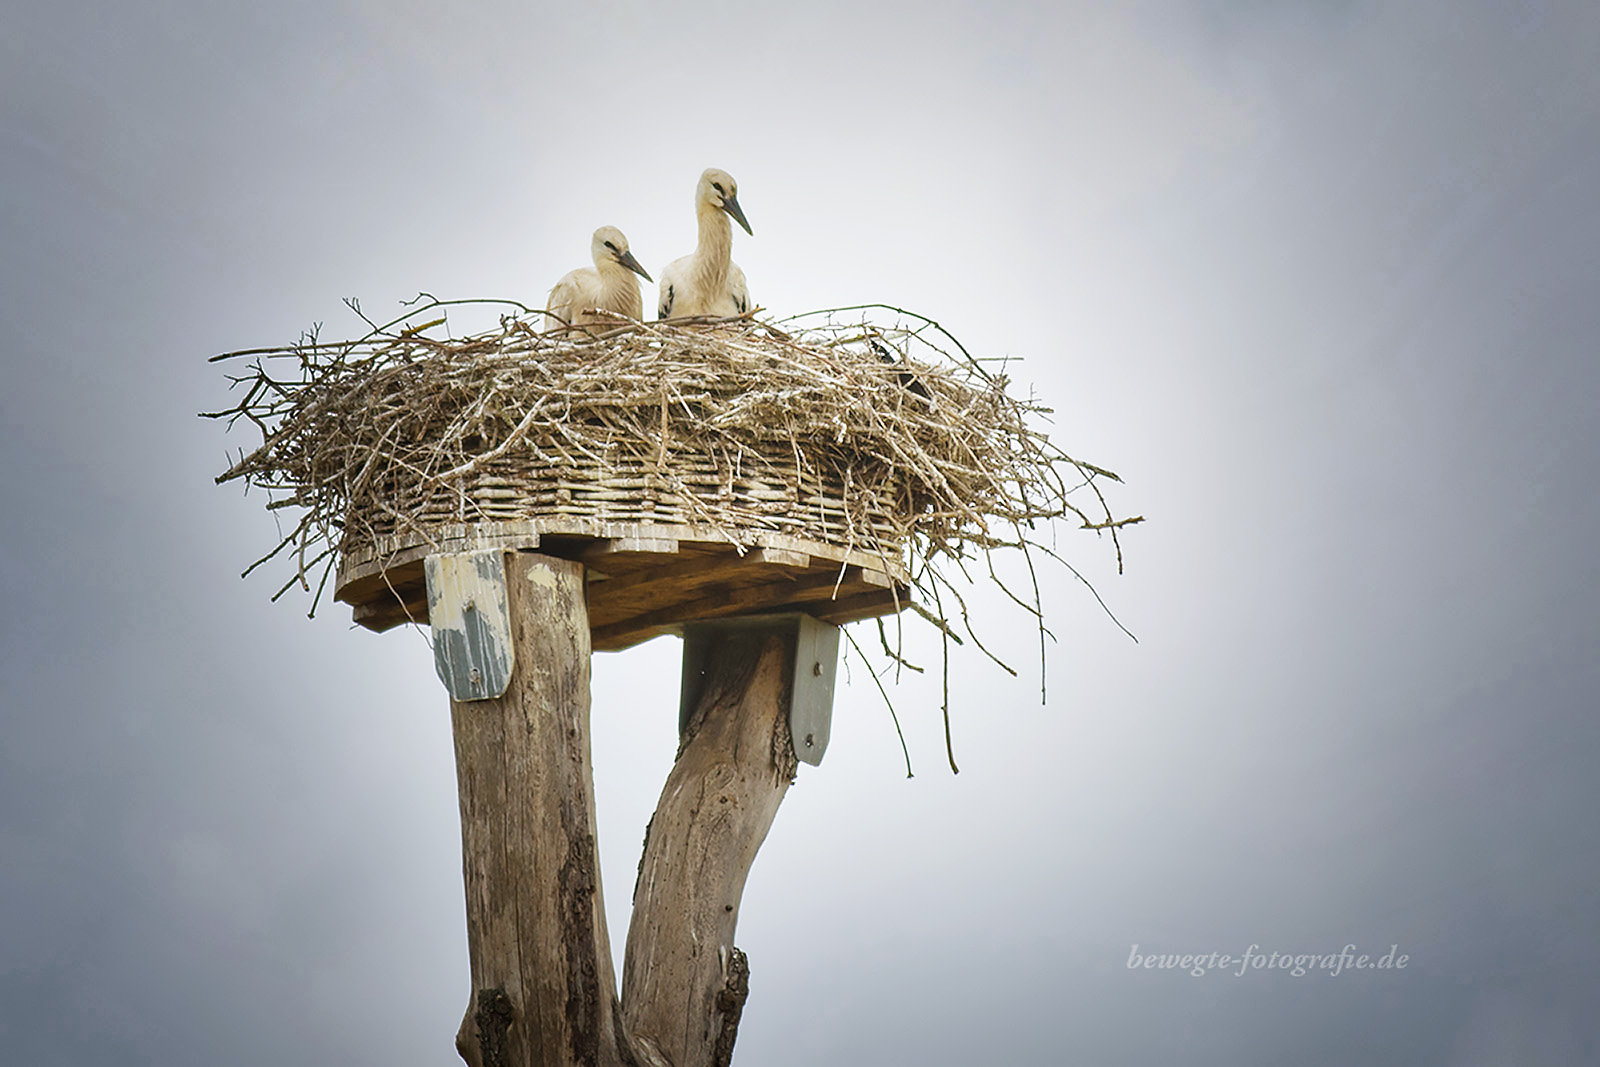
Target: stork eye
x=718 y=187
x=611 y=246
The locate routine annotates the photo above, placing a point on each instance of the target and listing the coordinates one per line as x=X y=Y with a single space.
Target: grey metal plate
x=816 y=666
x=816 y=661
x=467 y=607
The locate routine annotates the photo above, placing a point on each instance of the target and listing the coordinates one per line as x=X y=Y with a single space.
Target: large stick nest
x=869 y=428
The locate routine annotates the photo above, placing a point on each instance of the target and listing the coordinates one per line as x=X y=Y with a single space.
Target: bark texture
x=684 y=983
x=543 y=986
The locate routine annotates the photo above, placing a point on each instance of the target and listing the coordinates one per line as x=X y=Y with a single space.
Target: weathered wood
x=543 y=986
x=684 y=983
x=543 y=991
x=785 y=556
x=643 y=580
x=361 y=568
x=722 y=599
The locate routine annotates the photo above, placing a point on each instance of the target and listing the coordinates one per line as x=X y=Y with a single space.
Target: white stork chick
x=609 y=286
x=709 y=282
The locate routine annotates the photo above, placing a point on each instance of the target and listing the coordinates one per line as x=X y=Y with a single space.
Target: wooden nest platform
x=701 y=469
x=642 y=580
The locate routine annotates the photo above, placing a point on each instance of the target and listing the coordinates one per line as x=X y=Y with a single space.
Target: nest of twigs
x=868 y=428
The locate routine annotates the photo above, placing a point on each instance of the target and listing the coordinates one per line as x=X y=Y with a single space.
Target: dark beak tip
x=731 y=206
x=627 y=260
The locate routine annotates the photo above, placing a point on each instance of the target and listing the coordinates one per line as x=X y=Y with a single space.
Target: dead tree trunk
x=543 y=985
x=683 y=982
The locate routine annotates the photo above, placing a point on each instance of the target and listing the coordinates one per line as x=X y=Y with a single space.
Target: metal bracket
x=467 y=608
x=816 y=661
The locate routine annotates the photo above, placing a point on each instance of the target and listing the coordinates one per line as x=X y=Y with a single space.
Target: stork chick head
x=610 y=246
x=719 y=191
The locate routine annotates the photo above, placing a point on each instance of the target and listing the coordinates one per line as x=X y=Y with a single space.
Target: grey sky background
x=1320 y=281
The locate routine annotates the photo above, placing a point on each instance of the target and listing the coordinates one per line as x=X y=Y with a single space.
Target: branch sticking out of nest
x=886 y=437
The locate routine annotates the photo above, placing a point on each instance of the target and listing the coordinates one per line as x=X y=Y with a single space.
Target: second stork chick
x=708 y=281
x=609 y=286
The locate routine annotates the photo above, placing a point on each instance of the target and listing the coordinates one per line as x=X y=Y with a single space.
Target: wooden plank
x=400 y=549
x=845 y=609
x=385 y=608
x=786 y=557
x=622 y=630
x=642 y=579
x=728 y=601
x=855 y=601
x=676 y=575
x=717 y=577
x=626 y=639
x=868 y=605
x=379 y=586
x=634 y=544
x=381 y=618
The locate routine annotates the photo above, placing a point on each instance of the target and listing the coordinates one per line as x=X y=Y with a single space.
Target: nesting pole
x=512 y=644
x=513 y=628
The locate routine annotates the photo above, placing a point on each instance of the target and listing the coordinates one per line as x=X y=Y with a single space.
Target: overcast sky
x=1321 y=281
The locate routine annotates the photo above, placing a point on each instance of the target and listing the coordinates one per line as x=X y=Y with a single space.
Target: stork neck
x=613 y=275
x=619 y=288
x=716 y=243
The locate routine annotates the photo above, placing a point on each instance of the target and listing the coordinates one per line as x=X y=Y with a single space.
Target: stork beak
x=627 y=260
x=730 y=204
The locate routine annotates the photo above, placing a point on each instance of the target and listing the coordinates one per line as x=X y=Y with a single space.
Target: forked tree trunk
x=543 y=985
